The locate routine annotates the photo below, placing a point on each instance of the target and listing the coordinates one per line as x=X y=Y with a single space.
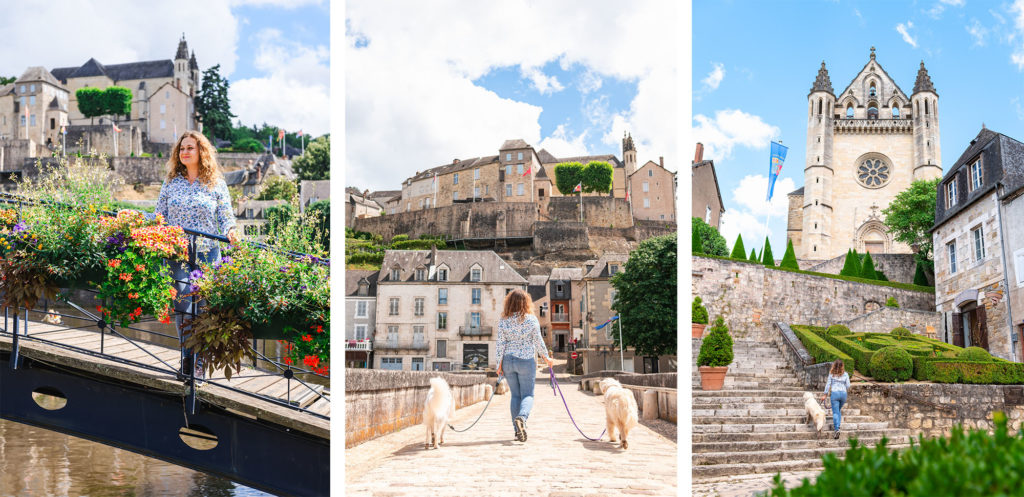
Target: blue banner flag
x=778 y=157
x=606 y=323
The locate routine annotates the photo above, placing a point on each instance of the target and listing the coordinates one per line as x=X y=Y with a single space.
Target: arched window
x=871 y=92
x=872 y=112
x=830 y=108
x=895 y=111
x=819 y=106
x=849 y=111
x=926 y=107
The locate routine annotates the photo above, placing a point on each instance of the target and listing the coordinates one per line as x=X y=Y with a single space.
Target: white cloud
x=731 y=128
x=1017 y=57
x=540 y=81
x=746 y=214
x=410 y=99
x=590 y=82
x=903 y=29
x=287 y=4
x=295 y=90
x=752 y=191
x=978 y=32
x=560 y=144
x=715 y=77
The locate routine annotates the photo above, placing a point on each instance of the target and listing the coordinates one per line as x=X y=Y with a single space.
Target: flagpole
x=622 y=360
x=113 y=129
x=581 y=205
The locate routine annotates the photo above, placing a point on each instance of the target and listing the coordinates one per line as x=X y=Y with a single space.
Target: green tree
x=646 y=297
x=789 y=259
x=90 y=102
x=567 y=176
x=867 y=271
x=695 y=246
x=7 y=81
x=738 y=252
x=710 y=239
x=753 y=256
x=279 y=188
x=911 y=214
x=597 y=177
x=920 y=278
x=250 y=145
x=315 y=164
x=213 y=106
x=851 y=267
x=117 y=101
x=766 y=257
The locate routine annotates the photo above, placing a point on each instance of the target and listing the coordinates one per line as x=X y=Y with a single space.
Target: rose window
x=873 y=173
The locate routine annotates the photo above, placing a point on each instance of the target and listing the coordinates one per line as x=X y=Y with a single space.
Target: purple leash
x=557 y=390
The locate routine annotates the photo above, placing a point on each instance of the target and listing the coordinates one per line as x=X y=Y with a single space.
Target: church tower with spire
x=182 y=71
x=628 y=153
x=865 y=144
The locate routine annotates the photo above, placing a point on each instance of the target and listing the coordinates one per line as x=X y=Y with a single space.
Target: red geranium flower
x=311 y=361
x=307 y=338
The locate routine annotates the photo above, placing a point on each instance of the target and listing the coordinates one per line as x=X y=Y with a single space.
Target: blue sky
x=754 y=64
x=456 y=78
x=275 y=53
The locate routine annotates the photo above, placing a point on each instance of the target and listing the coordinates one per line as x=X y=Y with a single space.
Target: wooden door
x=958 y=329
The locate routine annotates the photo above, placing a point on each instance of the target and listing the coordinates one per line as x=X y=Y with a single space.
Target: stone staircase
x=754 y=425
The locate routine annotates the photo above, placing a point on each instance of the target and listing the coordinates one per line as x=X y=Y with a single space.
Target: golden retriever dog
x=52 y=317
x=815 y=413
x=440 y=406
x=620 y=411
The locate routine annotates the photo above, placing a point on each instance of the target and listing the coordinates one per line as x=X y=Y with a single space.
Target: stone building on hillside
x=360 y=317
x=978 y=243
x=537 y=288
x=437 y=309
x=707 y=197
x=34 y=107
x=359 y=205
x=864 y=146
x=565 y=293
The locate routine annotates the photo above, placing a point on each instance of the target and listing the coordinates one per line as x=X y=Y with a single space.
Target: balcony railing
x=358 y=345
x=402 y=345
x=559 y=317
x=872 y=125
x=475 y=331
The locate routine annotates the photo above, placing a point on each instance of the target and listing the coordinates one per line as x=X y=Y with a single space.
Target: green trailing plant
x=738 y=252
x=700 y=313
x=767 y=258
x=789 y=259
x=891 y=364
x=891 y=302
x=716 y=348
x=867 y=270
x=221 y=339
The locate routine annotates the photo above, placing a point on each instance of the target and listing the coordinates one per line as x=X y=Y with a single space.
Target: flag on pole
x=63 y=129
x=579 y=187
x=116 y=129
x=280 y=134
x=528 y=170
x=627 y=195
x=299 y=133
x=778 y=157
x=602 y=325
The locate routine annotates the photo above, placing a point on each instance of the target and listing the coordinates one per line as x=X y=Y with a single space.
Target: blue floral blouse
x=196 y=207
x=520 y=339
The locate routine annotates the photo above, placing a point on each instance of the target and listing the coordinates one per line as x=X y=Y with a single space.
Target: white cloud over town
x=714 y=78
x=904 y=30
x=747 y=211
x=731 y=128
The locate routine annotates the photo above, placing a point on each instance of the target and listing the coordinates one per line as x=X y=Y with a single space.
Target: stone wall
x=144 y=170
x=479 y=220
x=885 y=319
x=230 y=161
x=379 y=402
x=99 y=139
x=597 y=211
x=897 y=267
x=751 y=297
x=664 y=384
x=933 y=409
x=14 y=153
x=551 y=236
x=812 y=374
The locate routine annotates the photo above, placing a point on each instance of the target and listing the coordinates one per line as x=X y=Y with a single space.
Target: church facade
x=864 y=145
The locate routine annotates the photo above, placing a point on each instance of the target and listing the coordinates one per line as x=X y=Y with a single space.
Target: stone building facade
x=34 y=107
x=864 y=146
x=565 y=292
x=978 y=246
x=360 y=317
x=438 y=310
x=707 y=196
x=358 y=205
x=652 y=192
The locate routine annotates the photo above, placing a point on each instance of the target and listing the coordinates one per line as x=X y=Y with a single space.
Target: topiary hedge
x=365 y=258
x=821 y=350
x=901 y=333
x=947 y=370
x=973 y=463
x=838 y=329
x=974 y=354
x=417 y=244
x=700 y=313
x=716 y=349
x=892 y=364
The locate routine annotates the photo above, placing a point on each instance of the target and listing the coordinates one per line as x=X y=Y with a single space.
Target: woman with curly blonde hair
x=195 y=197
x=519 y=342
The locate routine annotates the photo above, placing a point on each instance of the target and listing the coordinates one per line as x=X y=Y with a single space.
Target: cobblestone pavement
x=486 y=461
x=748 y=485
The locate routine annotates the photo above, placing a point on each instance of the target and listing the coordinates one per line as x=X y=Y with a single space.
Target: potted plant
x=715 y=356
x=699 y=318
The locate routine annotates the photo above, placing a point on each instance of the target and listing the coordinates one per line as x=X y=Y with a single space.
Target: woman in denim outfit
x=519 y=342
x=838 y=382
x=195 y=197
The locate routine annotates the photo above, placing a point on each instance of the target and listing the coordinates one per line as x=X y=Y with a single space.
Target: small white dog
x=52 y=317
x=440 y=406
x=620 y=410
x=815 y=413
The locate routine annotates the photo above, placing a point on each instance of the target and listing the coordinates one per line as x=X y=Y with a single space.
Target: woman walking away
x=195 y=197
x=519 y=342
x=838 y=383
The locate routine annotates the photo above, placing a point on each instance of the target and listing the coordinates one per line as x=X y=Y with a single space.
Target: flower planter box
x=712 y=378
x=698 y=330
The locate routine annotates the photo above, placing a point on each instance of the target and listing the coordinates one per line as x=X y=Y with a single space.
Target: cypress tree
x=789 y=259
x=858 y=263
x=849 y=266
x=767 y=258
x=738 y=252
x=919 y=277
x=868 y=270
x=753 y=256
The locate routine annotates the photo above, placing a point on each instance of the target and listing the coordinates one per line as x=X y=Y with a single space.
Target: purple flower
x=18 y=228
x=284 y=269
x=226 y=260
x=193 y=287
x=196 y=274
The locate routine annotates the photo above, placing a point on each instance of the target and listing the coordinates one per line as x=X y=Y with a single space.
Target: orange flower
x=140 y=267
x=288 y=361
x=114 y=263
x=133 y=296
x=125 y=276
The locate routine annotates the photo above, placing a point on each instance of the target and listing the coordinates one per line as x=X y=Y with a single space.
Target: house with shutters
x=978 y=246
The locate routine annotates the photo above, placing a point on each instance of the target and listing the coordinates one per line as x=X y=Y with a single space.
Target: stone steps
x=893 y=434
x=774 y=420
x=760 y=412
x=812 y=442
x=760 y=456
x=782 y=427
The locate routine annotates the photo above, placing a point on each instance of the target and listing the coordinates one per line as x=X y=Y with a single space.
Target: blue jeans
x=521 y=375
x=838 y=401
x=181 y=274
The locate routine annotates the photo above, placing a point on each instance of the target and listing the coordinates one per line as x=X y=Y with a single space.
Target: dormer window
x=559 y=289
x=395 y=274
x=951 y=193
x=442 y=273
x=421 y=274
x=612 y=269
x=364 y=288
x=976 y=174
x=475 y=274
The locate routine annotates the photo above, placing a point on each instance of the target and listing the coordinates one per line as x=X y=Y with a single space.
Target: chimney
x=661 y=161
x=455 y=161
x=700 y=153
x=433 y=255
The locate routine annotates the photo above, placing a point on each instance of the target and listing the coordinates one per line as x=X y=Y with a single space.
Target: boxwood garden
x=933 y=360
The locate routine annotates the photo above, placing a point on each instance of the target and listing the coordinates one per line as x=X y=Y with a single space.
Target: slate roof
x=798 y=191
x=118 y=72
x=456 y=166
x=6 y=89
x=538 y=286
x=822 y=82
x=543 y=173
x=385 y=195
x=566 y=274
x=584 y=159
x=1002 y=161
x=253 y=176
x=38 y=73
x=352 y=277
x=459 y=262
x=546 y=157
x=600 y=269
x=513 y=144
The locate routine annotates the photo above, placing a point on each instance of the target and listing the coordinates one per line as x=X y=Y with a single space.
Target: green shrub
x=695 y=246
x=851 y=266
x=854 y=347
x=919 y=277
x=900 y=333
x=738 y=252
x=892 y=364
x=973 y=463
x=974 y=354
x=365 y=258
x=711 y=241
x=891 y=301
x=399 y=238
x=716 y=349
x=838 y=329
x=417 y=244
x=890 y=284
x=700 y=313
x=821 y=350
x=766 y=256
x=789 y=258
x=879 y=343
x=949 y=370
x=867 y=270
x=753 y=256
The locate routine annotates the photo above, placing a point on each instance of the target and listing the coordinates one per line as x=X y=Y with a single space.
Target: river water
x=40 y=463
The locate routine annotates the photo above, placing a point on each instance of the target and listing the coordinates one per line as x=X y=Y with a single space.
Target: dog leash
x=493 y=393
x=557 y=390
